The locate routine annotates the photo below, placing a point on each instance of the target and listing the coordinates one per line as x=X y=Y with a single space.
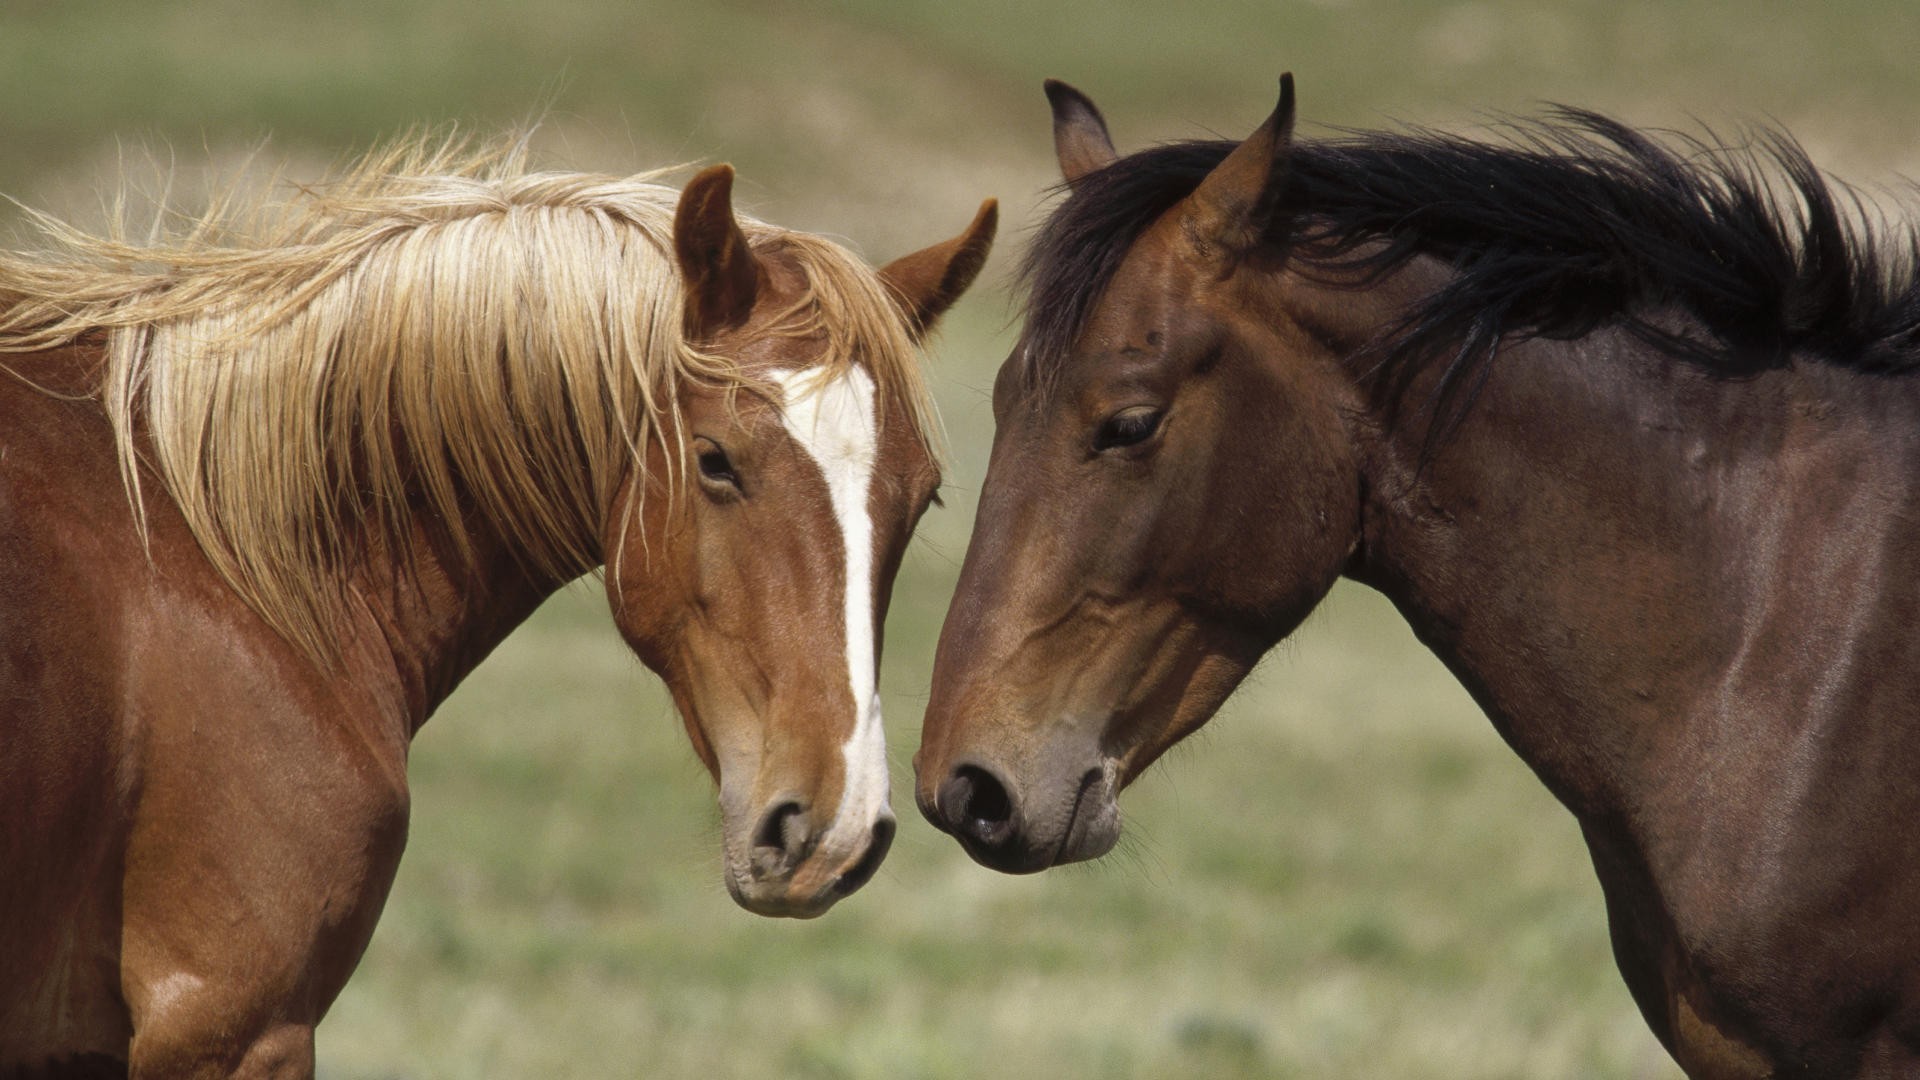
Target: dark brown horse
x=264 y=503
x=1631 y=436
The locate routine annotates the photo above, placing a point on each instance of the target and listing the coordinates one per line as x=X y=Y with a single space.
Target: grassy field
x=1346 y=875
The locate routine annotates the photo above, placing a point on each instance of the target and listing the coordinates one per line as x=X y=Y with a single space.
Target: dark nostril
x=781 y=839
x=976 y=804
x=987 y=801
x=863 y=871
x=781 y=820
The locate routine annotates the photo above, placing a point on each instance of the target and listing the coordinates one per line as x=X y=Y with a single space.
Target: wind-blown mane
x=438 y=330
x=1565 y=226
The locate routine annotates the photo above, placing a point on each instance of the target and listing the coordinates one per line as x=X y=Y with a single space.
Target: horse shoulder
x=162 y=741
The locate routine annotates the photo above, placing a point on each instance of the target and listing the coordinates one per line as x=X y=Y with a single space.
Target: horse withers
x=264 y=501
x=1628 y=432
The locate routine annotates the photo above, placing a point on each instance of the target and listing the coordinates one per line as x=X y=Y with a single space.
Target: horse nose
x=781 y=840
x=975 y=806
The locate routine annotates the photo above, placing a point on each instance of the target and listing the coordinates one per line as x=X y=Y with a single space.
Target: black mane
x=1568 y=225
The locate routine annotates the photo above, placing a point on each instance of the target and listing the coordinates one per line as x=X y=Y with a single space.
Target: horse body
x=1685 y=603
x=205 y=801
x=1633 y=447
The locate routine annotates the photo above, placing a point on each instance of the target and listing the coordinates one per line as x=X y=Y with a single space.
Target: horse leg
x=233 y=984
x=242 y=1005
x=282 y=1051
x=249 y=898
x=221 y=986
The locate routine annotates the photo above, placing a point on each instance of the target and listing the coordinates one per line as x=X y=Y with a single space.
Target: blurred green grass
x=1346 y=874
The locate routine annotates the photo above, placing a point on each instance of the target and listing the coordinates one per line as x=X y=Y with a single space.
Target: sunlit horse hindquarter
x=1628 y=431
x=267 y=496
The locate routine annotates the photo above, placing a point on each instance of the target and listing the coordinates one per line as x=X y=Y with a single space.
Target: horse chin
x=779 y=900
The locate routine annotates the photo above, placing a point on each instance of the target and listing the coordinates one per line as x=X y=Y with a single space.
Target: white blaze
x=833 y=420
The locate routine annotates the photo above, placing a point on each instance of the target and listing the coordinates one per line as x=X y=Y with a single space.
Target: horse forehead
x=1152 y=298
x=832 y=414
x=865 y=441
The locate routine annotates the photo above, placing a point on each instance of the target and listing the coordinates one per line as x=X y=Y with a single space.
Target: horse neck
x=440 y=611
x=1596 y=548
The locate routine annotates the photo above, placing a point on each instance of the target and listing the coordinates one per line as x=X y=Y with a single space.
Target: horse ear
x=721 y=275
x=1080 y=138
x=1231 y=209
x=930 y=280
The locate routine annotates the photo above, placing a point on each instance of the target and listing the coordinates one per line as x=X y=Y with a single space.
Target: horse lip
x=780 y=903
x=1074 y=820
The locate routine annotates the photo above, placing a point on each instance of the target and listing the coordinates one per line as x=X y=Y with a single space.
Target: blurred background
x=1346 y=875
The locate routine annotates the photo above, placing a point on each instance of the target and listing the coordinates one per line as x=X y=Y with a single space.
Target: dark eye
x=714 y=465
x=1128 y=427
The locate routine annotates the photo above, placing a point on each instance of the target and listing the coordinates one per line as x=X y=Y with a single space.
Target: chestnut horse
x=264 y=502
x=1630 y=435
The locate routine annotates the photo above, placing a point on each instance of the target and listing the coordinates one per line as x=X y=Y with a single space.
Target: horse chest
x=1708 y=1051
x=1742 y=978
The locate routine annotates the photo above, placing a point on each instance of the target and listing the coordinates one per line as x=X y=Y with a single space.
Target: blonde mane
x=437 y=329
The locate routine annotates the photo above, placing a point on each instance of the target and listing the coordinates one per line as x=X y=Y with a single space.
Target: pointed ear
x=722 y=276
x=1233 y=207
x=930 y=280
x=1080 y=136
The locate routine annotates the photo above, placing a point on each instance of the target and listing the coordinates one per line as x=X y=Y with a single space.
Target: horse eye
x=1128 y=427
x=715 y=466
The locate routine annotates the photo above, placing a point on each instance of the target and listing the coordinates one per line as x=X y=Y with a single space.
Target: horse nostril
x=780 y=842
x=977 y=804
x=987 y=802
x=863 y=871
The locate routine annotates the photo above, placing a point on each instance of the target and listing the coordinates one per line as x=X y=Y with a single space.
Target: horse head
x=1172 y=487
x=751 y=563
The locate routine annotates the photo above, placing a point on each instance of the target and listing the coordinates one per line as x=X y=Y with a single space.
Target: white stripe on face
x=833 y=420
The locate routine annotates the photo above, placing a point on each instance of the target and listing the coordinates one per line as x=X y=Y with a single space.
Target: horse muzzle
x=784 y=866
x=1065 y=815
